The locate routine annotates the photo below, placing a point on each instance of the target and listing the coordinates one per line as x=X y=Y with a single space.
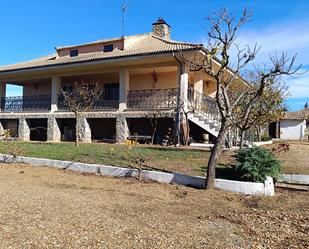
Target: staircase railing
x=204 y=105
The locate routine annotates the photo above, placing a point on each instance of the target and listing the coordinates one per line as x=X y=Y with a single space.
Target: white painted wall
x=292 y=129
x=249 y=188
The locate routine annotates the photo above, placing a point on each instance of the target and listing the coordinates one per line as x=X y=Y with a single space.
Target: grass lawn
x=165 y=158
x=188 y=161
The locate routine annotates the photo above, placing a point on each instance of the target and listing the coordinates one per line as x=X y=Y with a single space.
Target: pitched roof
x=298 y=115
x=145 y=44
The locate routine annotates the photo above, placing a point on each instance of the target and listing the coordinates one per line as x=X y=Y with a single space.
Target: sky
x=34 y=28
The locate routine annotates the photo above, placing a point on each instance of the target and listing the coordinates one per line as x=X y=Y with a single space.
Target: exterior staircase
x=204 y=112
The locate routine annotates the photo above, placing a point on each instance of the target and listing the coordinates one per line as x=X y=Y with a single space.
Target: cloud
x=299 y=86
x=288 y=36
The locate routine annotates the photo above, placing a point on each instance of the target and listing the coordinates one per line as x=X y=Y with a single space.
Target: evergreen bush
x=256 y=163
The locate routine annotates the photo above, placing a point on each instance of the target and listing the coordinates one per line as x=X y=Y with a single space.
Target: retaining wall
x=295 y=178
x=250 y=188
x=262 y=143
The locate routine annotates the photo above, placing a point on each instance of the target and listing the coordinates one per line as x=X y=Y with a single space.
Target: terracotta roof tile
x=141 y=45
x=298 y=115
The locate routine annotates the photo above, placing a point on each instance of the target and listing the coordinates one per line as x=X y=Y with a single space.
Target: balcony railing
x=26 y=103
x=100 y=104
x=136 y=99
x=152 y=99
x=203 y=104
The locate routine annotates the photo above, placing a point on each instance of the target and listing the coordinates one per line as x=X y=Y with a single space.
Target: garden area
x=189 y=161
x=186 y=160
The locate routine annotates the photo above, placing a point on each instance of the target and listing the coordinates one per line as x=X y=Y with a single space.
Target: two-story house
x=138 y=75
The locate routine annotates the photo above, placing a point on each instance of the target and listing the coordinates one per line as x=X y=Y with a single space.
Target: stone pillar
x=124 y=80
x=83 y=130
x=23 y=130
x=2 y=93
x=53 y=130
x=2 y=88
x=55 y=91
x=1 y=128
x=122 y=130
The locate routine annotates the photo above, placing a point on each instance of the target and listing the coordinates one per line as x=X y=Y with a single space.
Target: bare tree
x=268 y=108
x=226 y=71
x=154 y=118
x=186 y=109
x=81 y=98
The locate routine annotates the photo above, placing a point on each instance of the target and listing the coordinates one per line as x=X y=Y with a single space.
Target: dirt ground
x=50 y=208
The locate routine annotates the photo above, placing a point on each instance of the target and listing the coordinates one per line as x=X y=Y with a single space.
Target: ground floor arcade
x=94 y=126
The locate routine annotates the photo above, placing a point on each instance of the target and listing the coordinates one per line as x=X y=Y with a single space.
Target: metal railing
x=100 y=104
x=152 y=99
x=204 y=105
x=26 y=103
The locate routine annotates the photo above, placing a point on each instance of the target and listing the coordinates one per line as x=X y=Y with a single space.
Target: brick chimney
x=161 y=28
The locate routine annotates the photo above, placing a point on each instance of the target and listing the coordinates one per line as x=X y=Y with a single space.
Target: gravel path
x=49 y=208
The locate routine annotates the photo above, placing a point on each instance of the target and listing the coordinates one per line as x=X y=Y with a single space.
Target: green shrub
x=256 y=163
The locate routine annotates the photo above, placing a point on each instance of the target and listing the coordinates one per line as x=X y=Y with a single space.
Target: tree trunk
x=77 y=116
x=154 y=131
x=215 y=152
x=187 y=130
x=76 y=136
x=258 y=133
x=242 y=138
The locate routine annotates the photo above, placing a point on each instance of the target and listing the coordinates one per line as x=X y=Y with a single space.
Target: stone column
x=2 y=88
x=83 y=130
x=122 y=130
x=23 y=130
x=1 y=128
x=2 y=93
x=124 y=80
x=53 y=130
x=55 y=91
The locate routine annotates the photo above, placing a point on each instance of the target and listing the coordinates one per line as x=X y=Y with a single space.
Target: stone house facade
x=138 y=75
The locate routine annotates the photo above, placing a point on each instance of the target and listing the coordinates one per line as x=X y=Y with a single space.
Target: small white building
x=294 y=125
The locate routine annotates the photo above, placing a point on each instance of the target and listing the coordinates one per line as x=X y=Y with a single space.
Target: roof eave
x=52 y=66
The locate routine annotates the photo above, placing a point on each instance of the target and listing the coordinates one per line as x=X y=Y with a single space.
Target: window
x=108 y=48
x=74 y=53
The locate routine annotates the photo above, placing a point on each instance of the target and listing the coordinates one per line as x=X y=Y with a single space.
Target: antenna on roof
x=124 y=8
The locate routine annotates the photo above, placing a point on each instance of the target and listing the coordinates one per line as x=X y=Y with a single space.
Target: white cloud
x=291 y=37
x=299 y=86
